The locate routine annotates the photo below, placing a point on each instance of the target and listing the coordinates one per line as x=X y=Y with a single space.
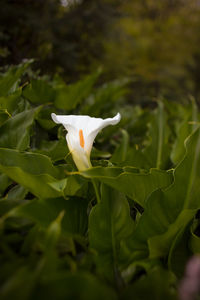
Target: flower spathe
x=81 y=132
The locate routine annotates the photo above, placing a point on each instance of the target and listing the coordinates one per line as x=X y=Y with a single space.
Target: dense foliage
x=56 y=241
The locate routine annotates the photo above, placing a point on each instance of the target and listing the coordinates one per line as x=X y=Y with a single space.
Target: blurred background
x=156 y=44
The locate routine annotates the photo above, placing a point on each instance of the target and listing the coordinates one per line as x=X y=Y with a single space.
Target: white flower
x=82 y=131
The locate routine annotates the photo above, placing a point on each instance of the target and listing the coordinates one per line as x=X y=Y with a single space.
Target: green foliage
x=33 y=171
x=56 y=240
x=14 y=133
x=134 y=183
x=9 y=81
x=68 y=97
x=169 y=212
x=109 y=224
x=38 y=91
x=158 y=283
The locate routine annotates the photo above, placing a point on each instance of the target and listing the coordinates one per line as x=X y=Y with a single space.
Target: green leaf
x=109 y=224
x=169 y=212
x=45 y=211
x=33 y=171
x=120 y=153
x=136 y=158
x=73 y=185
x=158 y=283
x=134 y=183
x=194 y=241
x=14 y=133
x=125 y=155
x=39 y=92
x=4 y=182
x=53 y=232
x=180 y=252
x=158 y=150
x=44 y=118
x=104 y=98
x=10 y=102
x=184 y=129
x=159 y=245
x=36 y=173
x=13 y=198
x=18 y=192
x=95 y=153
x=9 y=81
x=80 y=285
x=19 y=285
x=68 y=97
x=56 y=150
x=4 y=116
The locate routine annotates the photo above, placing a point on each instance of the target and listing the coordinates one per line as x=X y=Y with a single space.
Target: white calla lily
x=82 y=131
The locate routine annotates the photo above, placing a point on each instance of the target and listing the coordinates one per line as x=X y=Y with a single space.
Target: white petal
x=99 y=124
x=78 y=122
x=90 y=127
x=96 y=125
x=62 y=119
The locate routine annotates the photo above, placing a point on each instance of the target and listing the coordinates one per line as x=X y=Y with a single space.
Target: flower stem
x=96 y=190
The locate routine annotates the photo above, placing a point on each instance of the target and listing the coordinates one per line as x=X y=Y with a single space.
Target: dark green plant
x=56 y=240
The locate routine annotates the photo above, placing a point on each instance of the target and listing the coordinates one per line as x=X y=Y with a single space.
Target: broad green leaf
x=45 y=211
x=74 y=184
x=169 y=212
x=69 y=96
x=160 y=244
x=56 y=150
x=13 y=198
x=157 y=152
x=14 y=133
x=44 y=117
x=39 y=92
x=180 y=252
x=134 y=183
x=4 y=116
x=19 y=285
x=184 y=129
x=104 y=98
x=33 y=171
x=120 y=153
x=194 y=240
x=95 y=153
x=53 y=232
x=18 y=192
x=11 y=101
x=125 y=155
x=4 y=182
x=136 y=158
x=80 y=285
x=68 y=186
x=109 y=224
x=158 y=283
x=9 y=81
